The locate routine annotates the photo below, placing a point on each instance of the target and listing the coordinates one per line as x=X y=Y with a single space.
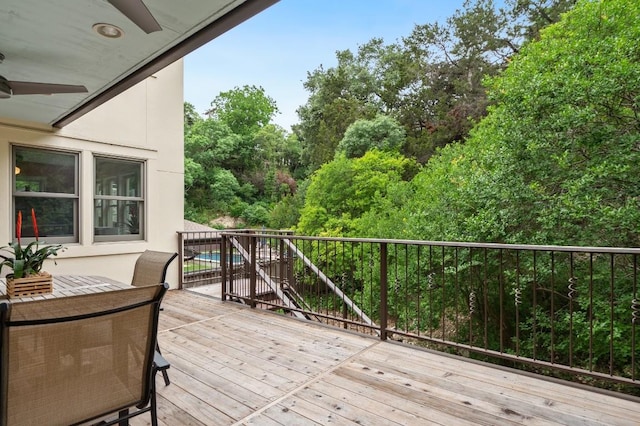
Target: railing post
x=345 y=313
x=181 y=262
x=290 y=274
x=383 y=291
x=282 y=267
x=252 y=272
x=223 y=267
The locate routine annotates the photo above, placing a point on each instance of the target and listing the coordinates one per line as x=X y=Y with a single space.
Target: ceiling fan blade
x=31 y=88
x=137 y=12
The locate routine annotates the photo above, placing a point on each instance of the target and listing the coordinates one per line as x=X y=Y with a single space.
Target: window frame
x=140 y=200
x=75 y=196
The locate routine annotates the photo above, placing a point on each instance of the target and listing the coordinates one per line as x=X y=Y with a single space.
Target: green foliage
x=223 y=186
x=197 y=214
x=322 y=126
x=24 y=261
x=210 y=143
x=255 y=214
x=529 y=17
x=276 y=148
x=382 y=133
x=245 y=110
x=429 y=81
x=191 y=116
x=341 y=191
x=382 y=220
x=286 y=213
x=193 y=172
x=235 y=157
x=554 y=162
x=237 y=208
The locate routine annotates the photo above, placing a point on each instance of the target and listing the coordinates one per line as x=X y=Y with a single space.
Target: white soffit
x=53 y=42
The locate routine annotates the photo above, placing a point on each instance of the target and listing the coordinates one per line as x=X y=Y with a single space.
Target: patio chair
x=151 y=269
x=53 y=373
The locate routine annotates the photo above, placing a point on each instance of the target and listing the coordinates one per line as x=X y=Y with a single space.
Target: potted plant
x=26 y=263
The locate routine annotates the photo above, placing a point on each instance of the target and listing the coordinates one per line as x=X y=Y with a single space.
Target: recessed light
x=108 y=30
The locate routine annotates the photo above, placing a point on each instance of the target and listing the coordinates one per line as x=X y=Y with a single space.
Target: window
x=46 y=181
x=118 y=199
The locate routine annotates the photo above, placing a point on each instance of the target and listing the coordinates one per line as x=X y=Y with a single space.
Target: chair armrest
x=159 y=363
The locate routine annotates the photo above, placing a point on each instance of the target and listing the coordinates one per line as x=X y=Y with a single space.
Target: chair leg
x=165 y=374
x=124 y=413
x=154 y=408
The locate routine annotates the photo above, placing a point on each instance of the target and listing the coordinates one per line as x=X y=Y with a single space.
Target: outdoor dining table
x=69 y=285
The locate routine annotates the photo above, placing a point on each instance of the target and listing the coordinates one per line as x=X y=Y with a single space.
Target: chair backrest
x=77 y=358
x=151 y=267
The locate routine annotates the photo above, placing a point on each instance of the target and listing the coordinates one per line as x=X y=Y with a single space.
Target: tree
x=236 y=161
x=342 y=191
x=382 y=133
x=537 y=14
x=286 y=213
x=555 y=160
x=210 y=143
x=448 y=96
x=430 y=81
x=208 y=146
x=191 y=116
x=276 y=148
x=255 y=214
x=277 y=154
x=331 y=108
x=245 y=110
x=578 y=120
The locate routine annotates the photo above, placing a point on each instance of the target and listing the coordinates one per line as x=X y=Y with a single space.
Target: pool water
x=215 y=257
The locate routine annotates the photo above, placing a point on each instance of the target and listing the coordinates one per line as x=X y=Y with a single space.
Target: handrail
x=525 y=247
x=361 y=315
x=273 y=286
x=559 y=309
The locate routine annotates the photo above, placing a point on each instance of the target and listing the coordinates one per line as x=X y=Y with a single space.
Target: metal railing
x=544 y=308
x=200 y=251
x=198 y=267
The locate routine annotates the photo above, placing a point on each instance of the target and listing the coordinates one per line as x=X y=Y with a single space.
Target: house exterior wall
x=144 y=123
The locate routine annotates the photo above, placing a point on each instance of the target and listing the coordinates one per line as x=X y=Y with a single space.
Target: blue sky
x=277 y=48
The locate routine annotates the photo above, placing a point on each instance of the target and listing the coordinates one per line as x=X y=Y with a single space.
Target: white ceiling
x=52 y=41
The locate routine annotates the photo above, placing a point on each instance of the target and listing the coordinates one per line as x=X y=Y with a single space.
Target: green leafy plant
x=28 y=260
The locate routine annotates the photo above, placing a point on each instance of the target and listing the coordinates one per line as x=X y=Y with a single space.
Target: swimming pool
x=215 y=257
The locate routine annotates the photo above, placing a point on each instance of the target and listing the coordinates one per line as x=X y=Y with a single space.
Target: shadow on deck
x=234 y=365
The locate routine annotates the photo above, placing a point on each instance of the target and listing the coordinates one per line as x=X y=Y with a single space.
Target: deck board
x=528 y=398
x=232 y=365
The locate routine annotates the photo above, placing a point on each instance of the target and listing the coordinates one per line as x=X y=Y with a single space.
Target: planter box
x=30 y=286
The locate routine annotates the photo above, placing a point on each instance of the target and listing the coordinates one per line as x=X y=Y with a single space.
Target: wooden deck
x=233 y=365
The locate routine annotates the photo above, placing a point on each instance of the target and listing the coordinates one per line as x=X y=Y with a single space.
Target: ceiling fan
x=138 y=13
x=9 y=88
x=135 y=10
